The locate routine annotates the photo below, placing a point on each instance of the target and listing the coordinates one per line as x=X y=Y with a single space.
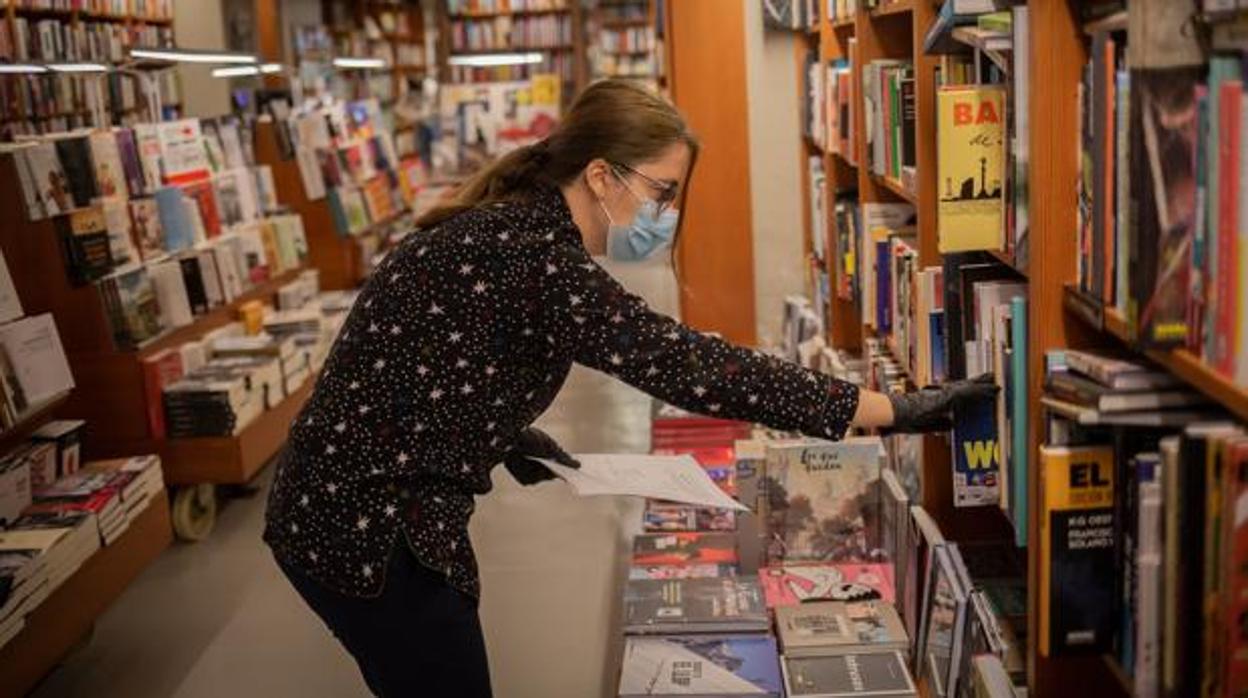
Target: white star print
x=699 y=390
x=403 y=458
x=467 y=239
x=466 y=390
x=373 y=327
x=355 y=385
x=294 y=528
x=395 y=277
x=422 y=370
x=503 y=237
x=551 y=269
x=617 y=318
x=390 y=510
x=435 y=309
x=303 y=500
x=364 y=409
x=465 y=269
x=368 y=571
x=578 y=319
x=652 y=372
x=313 y=556
x=574 y=299
x=395 y=329
x=330 y=450
x=616 y=360
x=753 y=399
x=362 y=523
x=340 y=427
x=419 y=427
x=379 y=364
x=714 y=407
x=490 y=426
x=331 y=488
x=673 y=335
x=462 y=363
x=435 y=394
x=490 y=370
x=455 y=337
x=478 y=287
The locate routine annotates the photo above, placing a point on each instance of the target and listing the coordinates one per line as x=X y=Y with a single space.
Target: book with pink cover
x=789 y=585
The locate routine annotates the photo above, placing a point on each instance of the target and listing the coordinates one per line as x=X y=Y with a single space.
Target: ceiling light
x=78 y=67
x=21 y=69
x=348 y=62
x=175 y=55
x=487 y=60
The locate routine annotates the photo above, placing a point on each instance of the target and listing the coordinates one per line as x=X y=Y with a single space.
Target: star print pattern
x=491 y=309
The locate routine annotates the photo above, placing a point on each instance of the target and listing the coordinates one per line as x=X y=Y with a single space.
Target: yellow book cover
x=1077 y=545
x=971 y=167
x=268 y=238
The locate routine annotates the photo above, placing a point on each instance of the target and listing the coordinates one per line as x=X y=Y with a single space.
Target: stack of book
x=69 y=521
x=1095 y=388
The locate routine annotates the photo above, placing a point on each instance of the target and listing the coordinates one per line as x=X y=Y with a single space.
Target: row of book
x=795 y=15
x=217 y=384
x=65 y=521
x=1148 y=507
x=507 y=31
x=60 y=102
x=390 y=53
x=485 y=7
x=385 y=21
x=1161 y=238
x=627 y=40
x=889 y=111
x=705 y=606
x=57 y=40
x=636 y=11
x=140 y=9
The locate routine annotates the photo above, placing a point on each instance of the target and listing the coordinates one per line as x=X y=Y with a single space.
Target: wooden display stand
x=67 y=615
x=109 y=386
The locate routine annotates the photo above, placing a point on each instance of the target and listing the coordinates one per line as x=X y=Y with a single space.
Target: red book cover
x=684 y=548
x=1228 y=225
x=206 y=201
x=1235 y=589
x=159 y=370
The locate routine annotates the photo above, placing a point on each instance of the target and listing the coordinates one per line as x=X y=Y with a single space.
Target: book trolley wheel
x=194 y=511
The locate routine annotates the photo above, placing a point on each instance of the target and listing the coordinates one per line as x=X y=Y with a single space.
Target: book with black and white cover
x=85 y=240
x=50 y=183
x=171 y=296
x=729 y=604
x=814 y=629
x=700 y=665
x=1118 y=373
x=877 y=674
x=945 y=622
x=34 y=350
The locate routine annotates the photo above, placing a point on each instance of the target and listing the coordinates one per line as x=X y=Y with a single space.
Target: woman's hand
x=931 y=409
x=532 y=444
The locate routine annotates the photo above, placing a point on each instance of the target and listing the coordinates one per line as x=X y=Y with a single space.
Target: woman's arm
x=875 y=410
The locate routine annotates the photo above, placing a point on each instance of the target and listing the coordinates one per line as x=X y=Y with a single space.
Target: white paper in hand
x=672 y=478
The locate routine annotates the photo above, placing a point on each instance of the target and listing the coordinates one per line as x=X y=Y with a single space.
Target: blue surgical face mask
x=650 y=231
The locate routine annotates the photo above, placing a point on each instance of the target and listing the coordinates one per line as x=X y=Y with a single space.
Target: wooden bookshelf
x=67 y=616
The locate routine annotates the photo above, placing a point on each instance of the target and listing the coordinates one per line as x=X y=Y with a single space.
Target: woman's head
x=617 y=146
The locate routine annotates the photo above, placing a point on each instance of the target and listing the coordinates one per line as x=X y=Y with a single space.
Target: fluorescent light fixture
x=488 y=60
x=238 y=71
x=177 y=55
x=267 y=68
x=78 y=67
x=21 y=69
x=348 y=62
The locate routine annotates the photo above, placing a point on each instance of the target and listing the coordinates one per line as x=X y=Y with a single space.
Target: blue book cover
x=936 y=325
x=175 y=219
x=1021 y=417
x=884 y=288
x=737 y=665
x=976 y=455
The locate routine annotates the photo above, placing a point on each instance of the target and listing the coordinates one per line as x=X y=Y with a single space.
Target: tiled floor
x=218 y=619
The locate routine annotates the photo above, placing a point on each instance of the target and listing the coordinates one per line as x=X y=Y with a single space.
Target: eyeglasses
x=667 y=190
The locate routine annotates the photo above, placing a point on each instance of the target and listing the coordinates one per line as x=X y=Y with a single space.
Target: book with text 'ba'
x=727 y=604
x=1078 y=597
x=971 y=167
x=700 y=665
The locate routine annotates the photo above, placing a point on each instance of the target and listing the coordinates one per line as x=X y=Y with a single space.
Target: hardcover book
x=821 y=499
x=971 y=167
x=50 y=184
x=832 y=627
x=131 y=165
x=149 y=236
x=730 y=604
x=789 y=585
x=701 y=665
x=110 y=177
x=945 y=608
x=75 y=155
x=84 y=236
x=878 y=674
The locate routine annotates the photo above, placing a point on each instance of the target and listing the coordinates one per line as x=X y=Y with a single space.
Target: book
x=134 y=311
x=171 y=293
x=175 y=219
x=49 y=180
x=733 y=604
x=832 y=627
x=120 y=236
x=160 y=370
x=1236 y=553
x=880 y=674
x=149 y=236
x=85 y=240
x=682 y=665
x=945 y=611
x=792 y=584
x=10 y=304
x=204 y=197
x=131 y=164
x=182 y=154
x=74 y=153
x=694 y=571
x=989 y=678
x=926 y=537
x=1082 y=391
x=970 y=167
x=815 y=487
x=1076 y=612
x=684 y=548
x=109 y=175
x=1117 y=373
x=1148 y=575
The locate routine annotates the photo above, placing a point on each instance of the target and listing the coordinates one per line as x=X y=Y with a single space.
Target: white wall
x=198 y=24
x=775 y=170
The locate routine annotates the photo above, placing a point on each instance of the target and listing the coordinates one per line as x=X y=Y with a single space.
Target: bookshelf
x=480 y=28
x=67 y=616
x=626 y=39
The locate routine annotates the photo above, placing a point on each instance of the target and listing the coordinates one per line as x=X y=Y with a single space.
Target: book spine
x=1122 y=194
x=1229 y=104
x=1147 y=666
x=1095 y=148
x=1021 y=421
x=1235 y=545
x=1107 y=192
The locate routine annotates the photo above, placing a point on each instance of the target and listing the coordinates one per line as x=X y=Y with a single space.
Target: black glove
x=530 y=444
x=931 y=409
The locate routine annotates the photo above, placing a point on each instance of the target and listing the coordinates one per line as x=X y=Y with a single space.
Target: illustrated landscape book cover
x=821 y=500
x=684 y=548
x=971 y=167
x=789 y=585
x=878 y=674
x=728 y=604
x=701 y=665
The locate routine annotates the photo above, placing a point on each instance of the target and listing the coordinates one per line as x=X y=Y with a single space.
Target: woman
x=462 y=337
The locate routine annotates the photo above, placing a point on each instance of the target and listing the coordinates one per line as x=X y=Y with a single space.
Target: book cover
x=728 y=604
x=684 y=548
x=74 y=154
x=976 y=455
x=229 y=199
x=790 y=585
x=175 y=305
x=147 y=141
x=131 y=165
x=704 y=665
x=1077 y=550
x=204 y=196
x=34 y=351
x=813 y=629
x=880 y=674
x=182 y=151
x=50 y=181
x=970 y=167
x=945 y=611
x=1164 y=123
x=193 y=280
x=139 y=317
x=84 y=237
x=175 y=221
x=696 y=571
x=149 y=236
x=821 y=500
x=1146 y=622
x=159 y=370
x=120 y=236
x=110 y=177
x=1020 y=421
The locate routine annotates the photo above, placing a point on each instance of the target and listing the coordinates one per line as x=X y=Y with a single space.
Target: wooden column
x=706 y=43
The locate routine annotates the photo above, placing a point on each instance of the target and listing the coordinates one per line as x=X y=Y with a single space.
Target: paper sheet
x=672 y=478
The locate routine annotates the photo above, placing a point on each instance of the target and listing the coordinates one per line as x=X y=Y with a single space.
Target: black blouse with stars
x=460 y=339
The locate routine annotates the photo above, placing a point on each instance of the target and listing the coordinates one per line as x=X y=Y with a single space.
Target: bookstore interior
x=901 y=195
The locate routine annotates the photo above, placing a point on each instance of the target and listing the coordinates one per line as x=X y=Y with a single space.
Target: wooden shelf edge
x=68 y=614
x=895 y=187
x=1113 y=23
x=840 y=24
x=28 y=423
x=904 y=7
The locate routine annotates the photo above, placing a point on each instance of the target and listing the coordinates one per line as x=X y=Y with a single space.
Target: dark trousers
x=419 y=638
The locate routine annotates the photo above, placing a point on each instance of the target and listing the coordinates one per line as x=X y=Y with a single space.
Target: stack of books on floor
x=833 y=585
x=63 y=523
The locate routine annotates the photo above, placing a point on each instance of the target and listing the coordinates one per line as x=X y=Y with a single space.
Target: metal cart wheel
x=194 y=511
